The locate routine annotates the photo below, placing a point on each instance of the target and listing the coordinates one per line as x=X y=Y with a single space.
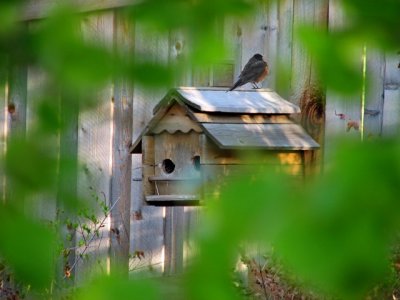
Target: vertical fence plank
x=147 y=230
x=68 y=185
x=313 y=13
x=373 y=113
x=43 y=205
x=178 y=51
x=156 y=48
x=391 y=108
x=94 y=151
x=271 y=44
x=301 y=60
x=285 y=36
x=307 y=91
x=121 y=157
x=340 y=110
x=17 y=99
x=252 y=38
x=16 y=108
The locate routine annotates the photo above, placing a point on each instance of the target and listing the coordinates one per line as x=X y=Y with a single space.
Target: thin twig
x=78 y=257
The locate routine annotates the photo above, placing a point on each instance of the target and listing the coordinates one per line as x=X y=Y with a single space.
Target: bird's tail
x=237 y=83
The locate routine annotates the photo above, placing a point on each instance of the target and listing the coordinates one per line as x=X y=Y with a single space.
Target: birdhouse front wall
x=176 y=157
x=192 y=164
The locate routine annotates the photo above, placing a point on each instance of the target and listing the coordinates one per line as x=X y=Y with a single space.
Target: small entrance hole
x=196 y=162
x=168 y=166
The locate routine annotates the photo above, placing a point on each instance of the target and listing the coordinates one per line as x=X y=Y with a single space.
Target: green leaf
x=28 y=247
x=109 y=288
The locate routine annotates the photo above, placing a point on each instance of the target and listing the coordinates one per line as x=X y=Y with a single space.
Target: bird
x=254 y=71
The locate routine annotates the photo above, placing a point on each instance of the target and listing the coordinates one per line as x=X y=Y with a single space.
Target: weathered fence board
x=375 y=76
x=17 y=99
x=94 y=152
x=154 y=47
x=391 y=108
x=340 y=111
x=39 y=9
x=252 y=38
x=271 y=43
x=284 y=60
x=121 y=157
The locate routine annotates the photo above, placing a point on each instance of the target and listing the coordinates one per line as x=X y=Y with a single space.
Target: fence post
x=121 y=157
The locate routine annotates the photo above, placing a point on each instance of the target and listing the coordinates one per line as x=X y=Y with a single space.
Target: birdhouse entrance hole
x=196 y=162
x=168 y=166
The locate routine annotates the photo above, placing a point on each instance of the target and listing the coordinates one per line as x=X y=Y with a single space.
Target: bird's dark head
x=258 y=56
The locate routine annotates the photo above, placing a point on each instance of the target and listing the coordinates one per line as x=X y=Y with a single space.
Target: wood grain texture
x=147 y=229
x=39 y=9
x=260 y=136
x=17 y=100
x=284 y=59
x=180 y=149
x=94 y=148
x=173 y=237
x=271 y=44
x=154 y=47
x=375 y=92
x=252 y=37
x=301 y=59
x=121 y=158
x=391 y=108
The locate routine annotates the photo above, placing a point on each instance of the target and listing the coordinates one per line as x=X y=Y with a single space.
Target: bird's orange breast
x=263 y=74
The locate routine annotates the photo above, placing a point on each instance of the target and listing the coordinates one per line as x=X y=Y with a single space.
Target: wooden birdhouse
x=202 y=135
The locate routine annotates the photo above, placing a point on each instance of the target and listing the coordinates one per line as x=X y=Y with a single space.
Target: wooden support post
x=173 y=235
x=122 y=159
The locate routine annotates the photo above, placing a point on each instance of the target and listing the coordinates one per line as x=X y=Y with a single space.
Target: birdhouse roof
x=261 y=101
x=243 y=119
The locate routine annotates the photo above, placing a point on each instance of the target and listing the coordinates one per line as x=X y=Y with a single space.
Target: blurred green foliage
x=335 y=233
x=337 y=50
x=28 y=247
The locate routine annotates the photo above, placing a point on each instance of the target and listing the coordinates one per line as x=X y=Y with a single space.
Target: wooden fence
x=161 y=239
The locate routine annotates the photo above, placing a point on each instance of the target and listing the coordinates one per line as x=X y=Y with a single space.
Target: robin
x=254 y=71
